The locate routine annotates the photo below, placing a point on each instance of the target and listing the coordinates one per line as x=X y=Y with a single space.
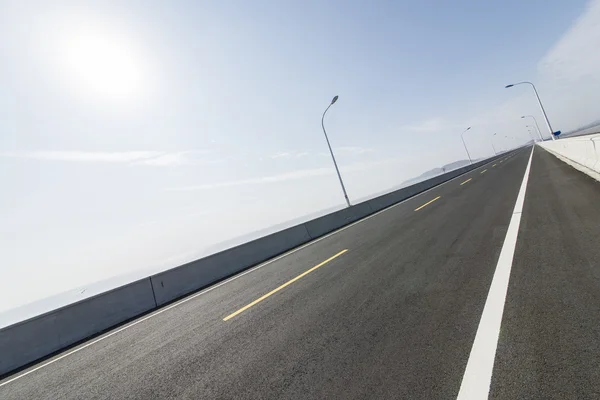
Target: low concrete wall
x=386 y=200
x=35 y=338
x=330 y=222
x=179 y=281
x=582 y=150
x=38 y=337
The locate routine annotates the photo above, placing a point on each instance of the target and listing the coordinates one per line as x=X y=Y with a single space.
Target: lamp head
x=334 y=99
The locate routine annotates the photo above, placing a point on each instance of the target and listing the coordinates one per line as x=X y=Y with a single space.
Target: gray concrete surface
x=394 y=317
x=386 y=200
x=187 y=278
x=330 y=222
x=37 y=337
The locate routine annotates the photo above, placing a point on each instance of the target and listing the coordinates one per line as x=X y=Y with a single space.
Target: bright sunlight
x=103 y=65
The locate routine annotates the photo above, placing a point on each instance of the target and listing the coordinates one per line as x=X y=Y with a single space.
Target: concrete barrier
x=30 y=340
x=179 y=281
x=386 y=200
x=35 y=338
x=581 y=150
x=330 y=222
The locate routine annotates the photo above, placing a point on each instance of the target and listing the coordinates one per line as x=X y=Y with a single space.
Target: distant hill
x=593 y=124
x=435 y=172
x=592 y=127
x=266 y=231
x=425 y=175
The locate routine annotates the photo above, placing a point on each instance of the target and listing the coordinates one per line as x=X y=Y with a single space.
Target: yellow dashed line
x=428 y=203
x=282 y=286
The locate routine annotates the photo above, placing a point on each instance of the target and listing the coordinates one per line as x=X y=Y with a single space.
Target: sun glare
x=102 y=65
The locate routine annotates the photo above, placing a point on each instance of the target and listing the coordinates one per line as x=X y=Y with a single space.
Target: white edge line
x=193 y=296
x=478 y=373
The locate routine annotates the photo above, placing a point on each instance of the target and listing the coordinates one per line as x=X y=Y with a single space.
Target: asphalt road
x=549 y=346
x=386 y=308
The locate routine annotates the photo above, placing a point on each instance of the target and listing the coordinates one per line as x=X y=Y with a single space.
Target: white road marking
x=193 y=296
x=478 y=374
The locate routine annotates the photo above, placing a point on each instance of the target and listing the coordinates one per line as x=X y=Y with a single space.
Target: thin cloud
x=289 y=176
x=288 y=155
x=350 y=150
x=575 y=56
x=254 y=181
x=151 y=158
x=190 y=157
x=568 y=82
x=429 y=126
x=355 y=150
x=506 y=113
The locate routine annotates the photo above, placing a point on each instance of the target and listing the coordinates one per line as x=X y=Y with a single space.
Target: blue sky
x=138 y=135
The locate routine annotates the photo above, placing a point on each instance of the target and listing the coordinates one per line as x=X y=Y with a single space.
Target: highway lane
x=549 y=346
x=392 y=317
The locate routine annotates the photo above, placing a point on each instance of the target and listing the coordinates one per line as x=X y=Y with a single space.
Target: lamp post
x=464 y=144
x=539 y=102
x=536 y=125
x=507 y=143
x=331 y=151
x=530 y=133
x=495 y=152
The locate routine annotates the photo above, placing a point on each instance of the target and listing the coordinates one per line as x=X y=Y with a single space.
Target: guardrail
x=581 y=150
x=28 y=341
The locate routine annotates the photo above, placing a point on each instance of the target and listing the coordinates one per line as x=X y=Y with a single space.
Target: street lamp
x=536 y=125
x=539 y=102
x=495 y=152
x=529 y=130
x=331 y=151
x=464 y=144
x=532 y=135
x=507 y=143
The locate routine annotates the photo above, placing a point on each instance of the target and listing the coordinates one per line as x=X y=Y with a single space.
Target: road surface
x=387 y=308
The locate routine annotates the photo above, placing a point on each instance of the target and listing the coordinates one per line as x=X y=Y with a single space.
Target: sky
x=139 y=135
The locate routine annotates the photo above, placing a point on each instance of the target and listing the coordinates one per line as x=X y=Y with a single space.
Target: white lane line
x=478 y=374
x=193 y=296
